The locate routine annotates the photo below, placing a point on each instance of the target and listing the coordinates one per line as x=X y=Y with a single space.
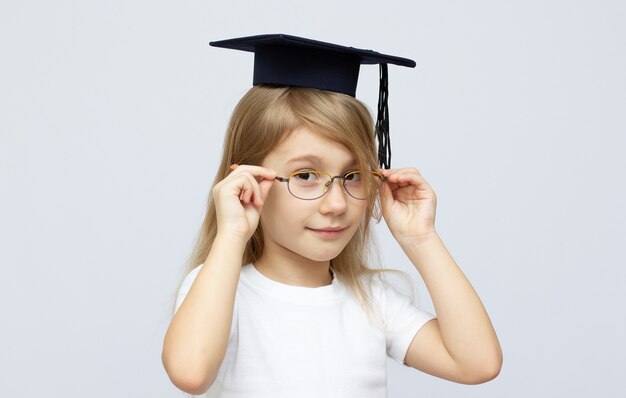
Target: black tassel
x=382 y=121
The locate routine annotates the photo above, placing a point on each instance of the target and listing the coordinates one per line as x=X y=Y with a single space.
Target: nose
x=334 y=201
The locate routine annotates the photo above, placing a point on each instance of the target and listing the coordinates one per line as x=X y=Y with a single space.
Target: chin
x=323 y=258
x=331 y=250
x=326 y=256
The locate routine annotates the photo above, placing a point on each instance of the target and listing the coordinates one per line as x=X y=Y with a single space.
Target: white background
x=112 y=115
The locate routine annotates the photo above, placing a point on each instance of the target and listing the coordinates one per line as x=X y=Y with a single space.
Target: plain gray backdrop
x=112 y=115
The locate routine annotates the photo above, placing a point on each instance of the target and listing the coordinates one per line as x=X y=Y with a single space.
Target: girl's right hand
x=239 y=198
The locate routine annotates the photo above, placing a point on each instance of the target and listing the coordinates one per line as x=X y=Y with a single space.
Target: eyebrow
x=314 y=159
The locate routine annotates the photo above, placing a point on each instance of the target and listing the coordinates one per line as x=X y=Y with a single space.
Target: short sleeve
x=403 y=319
x=186 y=286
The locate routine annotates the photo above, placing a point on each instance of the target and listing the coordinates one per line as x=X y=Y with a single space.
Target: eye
x=306 y=176
x=353 y=176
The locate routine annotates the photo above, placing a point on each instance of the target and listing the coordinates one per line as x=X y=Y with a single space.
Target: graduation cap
x=286 y=60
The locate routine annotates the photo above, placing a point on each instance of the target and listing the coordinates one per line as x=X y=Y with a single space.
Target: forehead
x=304 y=145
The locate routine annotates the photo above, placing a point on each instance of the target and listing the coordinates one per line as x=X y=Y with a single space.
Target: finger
x=255 y=194
x=393 y=187
x=243 y=186
x=392 y=176
x=256 y=171
x=392 y=180
x=264 y=187
x=407 y=177
x=386 y=198
x=415 y=178
x=387 y=172
x=233 y=185
x=400 y=178
x=252 y=187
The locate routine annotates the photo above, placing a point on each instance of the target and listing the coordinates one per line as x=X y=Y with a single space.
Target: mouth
x=329 y=232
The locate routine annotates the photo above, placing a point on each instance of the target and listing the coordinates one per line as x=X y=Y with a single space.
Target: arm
x=196 y=340
x=461 y=344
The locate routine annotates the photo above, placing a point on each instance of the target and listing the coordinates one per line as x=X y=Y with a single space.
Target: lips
x=328 y=232
x=328 y=229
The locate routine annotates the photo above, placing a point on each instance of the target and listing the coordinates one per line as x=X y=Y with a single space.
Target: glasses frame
x=329 y=183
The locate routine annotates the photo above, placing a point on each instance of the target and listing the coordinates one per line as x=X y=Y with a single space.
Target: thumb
x=386 y=198
x=265 y=186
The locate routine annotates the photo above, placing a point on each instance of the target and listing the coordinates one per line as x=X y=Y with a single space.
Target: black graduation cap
x=281 y=59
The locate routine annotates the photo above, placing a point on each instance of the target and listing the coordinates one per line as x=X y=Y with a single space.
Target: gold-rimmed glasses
x=312 y=184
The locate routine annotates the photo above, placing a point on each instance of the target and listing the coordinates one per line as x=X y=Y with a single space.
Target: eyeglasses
x=313 y=184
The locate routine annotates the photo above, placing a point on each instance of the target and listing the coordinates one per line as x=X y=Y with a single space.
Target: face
x=288 y=223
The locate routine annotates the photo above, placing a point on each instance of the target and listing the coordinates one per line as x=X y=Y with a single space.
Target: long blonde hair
x=261 y=120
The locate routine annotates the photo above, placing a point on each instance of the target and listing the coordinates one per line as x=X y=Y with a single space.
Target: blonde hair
x=261 y=120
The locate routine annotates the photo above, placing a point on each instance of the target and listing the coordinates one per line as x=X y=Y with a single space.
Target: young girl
x=279 y=300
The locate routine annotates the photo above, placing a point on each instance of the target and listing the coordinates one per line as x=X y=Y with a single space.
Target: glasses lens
x=360 y=186
x=308 y=184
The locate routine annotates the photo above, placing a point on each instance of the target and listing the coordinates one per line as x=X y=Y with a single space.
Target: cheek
x=276 y=198
x=281 y=212
x=360 y=208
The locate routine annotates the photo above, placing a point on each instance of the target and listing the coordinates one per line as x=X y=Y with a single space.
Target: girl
x=279 y=301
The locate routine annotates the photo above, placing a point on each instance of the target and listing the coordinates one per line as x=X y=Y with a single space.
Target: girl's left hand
x=408 y=204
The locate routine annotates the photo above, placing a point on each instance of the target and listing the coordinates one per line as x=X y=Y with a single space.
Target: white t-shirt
x=293 y=341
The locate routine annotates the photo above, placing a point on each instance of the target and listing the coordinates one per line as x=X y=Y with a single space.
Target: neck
x=294 y=270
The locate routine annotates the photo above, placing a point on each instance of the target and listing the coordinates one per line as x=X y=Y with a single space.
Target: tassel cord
x=382 y=120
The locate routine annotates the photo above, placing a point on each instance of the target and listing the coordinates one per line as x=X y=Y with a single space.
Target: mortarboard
x=286 y=60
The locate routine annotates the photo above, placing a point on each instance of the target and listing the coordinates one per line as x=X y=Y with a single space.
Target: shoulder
x=396 y=296
x=185 y=286
x=382 y=285
x=190 y=278
x=388 y=294
x=194 y=272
